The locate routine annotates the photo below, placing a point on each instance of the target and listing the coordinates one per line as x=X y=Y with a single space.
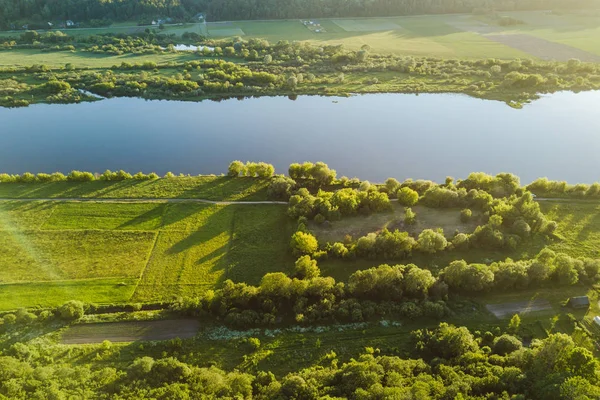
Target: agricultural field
x=448 y=36
x=115 y=252
x=536 y=35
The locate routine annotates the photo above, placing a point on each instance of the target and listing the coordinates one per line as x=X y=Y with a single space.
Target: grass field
x=447 y=36
x=197 y=187
x=115 y=252
x=579 y=226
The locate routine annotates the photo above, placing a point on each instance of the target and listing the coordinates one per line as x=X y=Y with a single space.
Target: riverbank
x=241 y=69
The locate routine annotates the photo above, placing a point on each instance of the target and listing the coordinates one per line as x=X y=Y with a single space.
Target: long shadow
x=157 y=213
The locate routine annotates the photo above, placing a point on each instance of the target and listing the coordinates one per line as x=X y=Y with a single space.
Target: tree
x=410 y=216
x=304 y=243
x=236 y=168
x=565 y=270
x=281 y=188
x=306 y=268
x=514 y=324
x=465 y=215
x=417 y=282
x=268 y=59
x=431 y=241
x=506 y=344
x=71 y=310
x=407 y=196
x=322 y=174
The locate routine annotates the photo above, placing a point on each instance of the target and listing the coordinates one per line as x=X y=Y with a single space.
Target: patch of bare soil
x=503 y=310
x=542 y=48
x=131 y=331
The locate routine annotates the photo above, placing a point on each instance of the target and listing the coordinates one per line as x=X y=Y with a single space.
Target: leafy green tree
x=417 y=282
x=466 y=215
x=71 y=310
x=506 y=344
x=306 y=268
x=407 y=196
x=410 y=216
x=514 y=324
x=281 y=188
x=431 y=241
x=304 y=243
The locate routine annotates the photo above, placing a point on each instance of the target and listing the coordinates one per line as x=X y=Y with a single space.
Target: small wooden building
x=579 y=302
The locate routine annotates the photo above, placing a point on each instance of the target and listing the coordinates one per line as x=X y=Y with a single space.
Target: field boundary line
x=148 y=260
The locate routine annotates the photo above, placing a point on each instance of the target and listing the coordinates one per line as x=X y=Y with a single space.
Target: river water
x=370 y=136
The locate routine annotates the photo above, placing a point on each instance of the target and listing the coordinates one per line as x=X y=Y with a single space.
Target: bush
x=466 y=215
x=304 y=243
x=78 y=176
x=506 y=344
x=71 y=310
x=236 y=168
x=281 y=188
x=407 y=196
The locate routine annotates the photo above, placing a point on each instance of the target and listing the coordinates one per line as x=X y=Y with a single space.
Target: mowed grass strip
x=107 y=216
x=260 y=243
x=52 y=294
x=202 y=245
x=78 y=254
x=189 y=257
x=196 y=187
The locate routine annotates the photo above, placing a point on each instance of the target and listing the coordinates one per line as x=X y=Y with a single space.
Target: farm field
x=540 y=35
x=447 y=36
x=116 y=252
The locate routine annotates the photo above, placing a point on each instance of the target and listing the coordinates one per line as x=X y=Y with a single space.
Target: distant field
x=116 y=252
x=459 y=36
x=447 y=36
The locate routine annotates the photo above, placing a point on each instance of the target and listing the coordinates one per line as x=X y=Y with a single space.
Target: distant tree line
x=98 y=12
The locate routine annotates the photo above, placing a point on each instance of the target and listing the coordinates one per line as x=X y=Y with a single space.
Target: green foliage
x=71 y=310
x=304 y=243
x=407 y=196
x=306 y=268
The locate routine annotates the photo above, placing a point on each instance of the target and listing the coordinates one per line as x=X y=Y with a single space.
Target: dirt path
x=141 y=200
x=504 y=310
x=131 y=331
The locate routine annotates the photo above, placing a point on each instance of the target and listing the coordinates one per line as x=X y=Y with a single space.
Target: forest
x=36 y=11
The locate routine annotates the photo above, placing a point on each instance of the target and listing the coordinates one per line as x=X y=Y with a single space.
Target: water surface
x=371 y=136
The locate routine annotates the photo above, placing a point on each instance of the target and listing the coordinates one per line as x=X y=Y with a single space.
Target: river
x=370 y=136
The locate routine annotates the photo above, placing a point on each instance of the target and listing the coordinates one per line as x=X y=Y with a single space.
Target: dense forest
x=12 y=11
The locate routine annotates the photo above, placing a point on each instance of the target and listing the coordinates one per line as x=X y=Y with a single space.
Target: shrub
x=339 y=250
x=78 y=176
x=71 y=310
x=465 y=215
x=409 y=216
x=304 y=243
x=407 y=196
x=306 y=268
x=236 y=168
x=281 y=188
x=506 y=344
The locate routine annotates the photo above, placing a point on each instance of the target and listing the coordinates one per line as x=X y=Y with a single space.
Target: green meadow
x=119 y=252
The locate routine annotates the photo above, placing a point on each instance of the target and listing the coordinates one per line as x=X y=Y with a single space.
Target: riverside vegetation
x=285 y=313
x=238 y=67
